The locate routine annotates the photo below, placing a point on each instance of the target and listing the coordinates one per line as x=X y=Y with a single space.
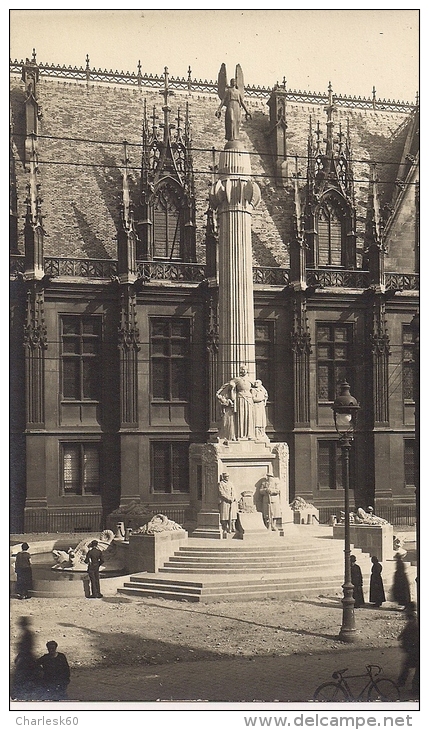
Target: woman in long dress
x=24 y=574
x=376 y=587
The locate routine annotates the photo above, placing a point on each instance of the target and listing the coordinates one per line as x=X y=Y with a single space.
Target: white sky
x=354 y=49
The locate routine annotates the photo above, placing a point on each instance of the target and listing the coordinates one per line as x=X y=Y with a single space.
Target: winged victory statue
x=232 y=98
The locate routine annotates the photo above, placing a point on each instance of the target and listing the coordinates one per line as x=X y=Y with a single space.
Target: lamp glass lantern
x=345 y=409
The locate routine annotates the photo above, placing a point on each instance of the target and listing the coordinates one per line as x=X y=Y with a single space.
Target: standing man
x=56 y=673
x=227 y=504
x=357 y=580
x=94 y=559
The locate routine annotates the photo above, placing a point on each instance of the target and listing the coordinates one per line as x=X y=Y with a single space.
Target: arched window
x=168 y=226
x=329 y=235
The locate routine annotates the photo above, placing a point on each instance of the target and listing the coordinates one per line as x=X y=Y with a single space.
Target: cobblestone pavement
x=256 y=679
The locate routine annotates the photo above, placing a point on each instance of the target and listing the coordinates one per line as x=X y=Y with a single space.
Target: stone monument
x=241 y=450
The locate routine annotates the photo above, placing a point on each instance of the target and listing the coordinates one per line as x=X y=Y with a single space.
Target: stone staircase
x=305 y=562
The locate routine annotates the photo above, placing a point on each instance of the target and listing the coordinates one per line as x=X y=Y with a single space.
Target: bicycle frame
x=342 y=680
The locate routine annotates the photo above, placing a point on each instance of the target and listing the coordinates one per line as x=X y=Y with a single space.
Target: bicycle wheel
x=330 y=692
x=383 y=690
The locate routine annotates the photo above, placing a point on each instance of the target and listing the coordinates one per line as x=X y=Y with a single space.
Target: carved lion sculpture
x=158 y=523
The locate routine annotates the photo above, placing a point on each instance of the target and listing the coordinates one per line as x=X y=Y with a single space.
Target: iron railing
x=154 y=81
x=79 y=521
x=40 y=521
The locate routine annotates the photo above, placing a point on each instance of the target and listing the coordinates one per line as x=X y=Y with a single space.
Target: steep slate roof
x=80 y=156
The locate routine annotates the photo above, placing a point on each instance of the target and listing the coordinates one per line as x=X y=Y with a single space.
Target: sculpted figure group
x=243 y=404
x=229 y=507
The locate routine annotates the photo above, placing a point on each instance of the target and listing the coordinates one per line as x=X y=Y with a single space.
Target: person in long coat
x=24 y=574
x=357 y=580
x=271 y=505
x=227 y=504
x=401 y=588
x=376 y=587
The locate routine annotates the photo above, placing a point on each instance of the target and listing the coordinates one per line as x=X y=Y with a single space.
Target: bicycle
x=381 y=690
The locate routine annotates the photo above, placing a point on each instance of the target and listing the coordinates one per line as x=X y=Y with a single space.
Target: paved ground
x=147 y=650
x=255 y=679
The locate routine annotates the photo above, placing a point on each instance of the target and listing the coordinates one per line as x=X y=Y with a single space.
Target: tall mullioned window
x=330 y=465
x=170 y=359
x=80 y=357
x=80 y=468
x=334 y=345
x=264 y=354
x=167 y=226
x=170 y=466
x=409 y=462
x=329 y=236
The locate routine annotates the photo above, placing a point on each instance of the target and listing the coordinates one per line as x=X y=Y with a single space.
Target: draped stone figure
x=232 y=98
x=260 y=397
x=241 y=394
x=227 y=426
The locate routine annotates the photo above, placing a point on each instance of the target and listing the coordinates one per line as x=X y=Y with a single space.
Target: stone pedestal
x=247 y=464
x=148 y=553
x=373 y=539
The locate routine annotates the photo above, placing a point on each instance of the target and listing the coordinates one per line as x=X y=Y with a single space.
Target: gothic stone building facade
x=114 y=290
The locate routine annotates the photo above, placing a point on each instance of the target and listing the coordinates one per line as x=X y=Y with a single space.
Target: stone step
x=232 y=591
x=245 y=562
x=154 y=579
x=277 y=550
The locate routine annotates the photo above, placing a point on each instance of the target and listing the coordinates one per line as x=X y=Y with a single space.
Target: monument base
x=373 y=539
x=247 y=464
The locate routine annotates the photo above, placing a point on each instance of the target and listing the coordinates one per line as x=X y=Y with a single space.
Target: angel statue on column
x=232 y=98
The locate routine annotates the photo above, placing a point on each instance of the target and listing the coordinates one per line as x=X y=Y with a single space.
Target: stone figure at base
x=227 y=504
x=271 y=507
x=241 y=395
x=260 y=397
x=369 y=518
x=226 y=427
x=232 y=99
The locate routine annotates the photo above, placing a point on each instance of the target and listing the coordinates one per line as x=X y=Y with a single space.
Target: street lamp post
x=345 y=409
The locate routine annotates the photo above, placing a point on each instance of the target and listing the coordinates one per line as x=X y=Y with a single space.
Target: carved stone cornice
x=212 y=334
x=300 y=335
x=35 y=333
x=128 y=331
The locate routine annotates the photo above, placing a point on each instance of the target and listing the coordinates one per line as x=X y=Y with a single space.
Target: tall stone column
x=234 y=196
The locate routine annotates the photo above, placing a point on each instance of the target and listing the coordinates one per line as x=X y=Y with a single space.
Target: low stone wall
x=148 y=553
x=373 y=539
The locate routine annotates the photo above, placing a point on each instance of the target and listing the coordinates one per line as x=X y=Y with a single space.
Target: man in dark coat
x=357 y=580
x=94 y=559
x=409 y=638
x=56 y=673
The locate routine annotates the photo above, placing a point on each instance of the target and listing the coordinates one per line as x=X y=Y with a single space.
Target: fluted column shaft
x=234 y=196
